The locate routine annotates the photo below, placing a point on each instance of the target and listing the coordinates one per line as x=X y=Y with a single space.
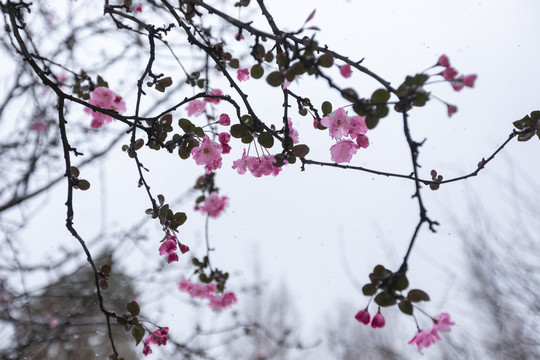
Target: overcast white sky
x=298 y=225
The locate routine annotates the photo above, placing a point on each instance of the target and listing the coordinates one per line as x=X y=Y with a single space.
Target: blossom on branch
x=208 y=291
x=168 y=247
x=216 y=92
x=363 y=317
x=242 y=74
x=104 y=98
x=195 y=107
x=214 y=205
x=158 y=337
x=208 y=154
x=343 y=151
x=345 y=70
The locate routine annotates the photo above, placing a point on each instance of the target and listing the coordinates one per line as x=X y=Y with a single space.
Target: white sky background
x=298 y=224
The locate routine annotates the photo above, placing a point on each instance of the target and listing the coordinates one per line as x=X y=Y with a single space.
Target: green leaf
x=401 y=283
x=199 y=132
x=300 y=150
x=186 y=125
x=234 y=63
x=238 y=130
x=266 y=139
x=369 y=289
x=326 y=108
x=165 y=82
x=384 y=299
x=74 y=172
x=247 y=138
x=416 y=295
x=349 y=94
x=275 y=78
x=138 y=144
x=257 y=71
x=406 y=307
x=83 y=185
x=326 y=60
x=180 y=218
x=138 y=333
x=106 y=269
x=380 y=96
x=133 y=308
x=381 y=111
x=269 y=57
x=371 y=122
x=161 y=199
x=184 y=152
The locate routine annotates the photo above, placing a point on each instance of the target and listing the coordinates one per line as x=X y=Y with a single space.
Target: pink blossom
x=452 y=109
x=362 y=141
x=105 y=99
x=443 y=61
x=184 y=248
x=363 y=317
x=224 y=120
x=239 y=36
x=292 y=132
x=213 y=205
x=209 y=154
x=378 y=321
x=168 y=247
x=38 y=125
x=469 y=80
x=195 y=107
x=216 y=92
x=102 y=97
x=345 y=70
x=138 y=8
x=286 y=84
x=424 y=339
x=241 y=165
x=208 y=292
x=223 y=302
x=357 y=126
x=443 y=323
x=343 y=151
x=449 y=73
x=337 y=123
x=242 y=74
x=224 y=139
x=158 y=337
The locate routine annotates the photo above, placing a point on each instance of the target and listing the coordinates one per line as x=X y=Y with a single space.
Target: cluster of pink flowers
x=213 y=205
x=197 y=107
x=450 y=74
x=258 y=166
x=106 y=99
x=208 y=154
x=292 y=132
x=158 y=337
x=340 y=125
x=208 y=291
x=168 y=247
x=363 y=317
x=345 y=70
x=425 y=338
x=215 y=92
x=242 y=74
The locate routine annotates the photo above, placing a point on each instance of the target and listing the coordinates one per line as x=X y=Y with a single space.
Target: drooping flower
x=224 y=120
x=443 y=323
x=224 y=139
x=241 y=165
x=345 y=70
x=362 y=141
x=195 y=107
x=184 y=248
x=443 y=61
x=213 y=205
x=424 y=339
x=158 y=337
x=469 y=80
x=378 y=320
x=168 y=247
x=223 y=302
x=449 y=73
x=363 y=317
x=357 y=126
x=242 y=74
x=452 y=109
x=343 y=151
x=239 y=36
x=208 y=154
